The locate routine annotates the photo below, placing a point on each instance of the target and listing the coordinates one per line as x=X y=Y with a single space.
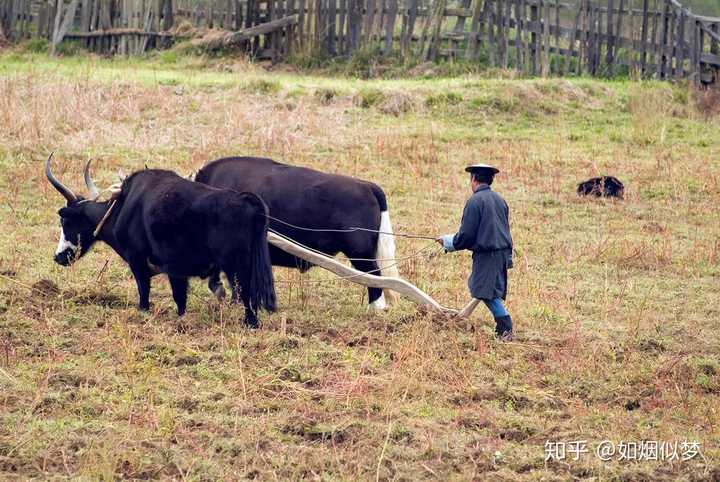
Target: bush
x=396 y=103
x=68 y=48
x=262 y=86
x=37 y=45
x=443 y=99
x=325 y=95
x=367 y=98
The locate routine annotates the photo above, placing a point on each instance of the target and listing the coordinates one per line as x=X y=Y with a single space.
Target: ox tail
x=385 y=250
x=262 y=284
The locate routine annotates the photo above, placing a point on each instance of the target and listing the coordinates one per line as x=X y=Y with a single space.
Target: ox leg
x=238 y=285
x=142 y=275
x=215 y=286
x=376 y=298
x=250 y=314
x=179 y=287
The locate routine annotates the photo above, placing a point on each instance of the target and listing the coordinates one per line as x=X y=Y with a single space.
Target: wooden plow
x=397 y=285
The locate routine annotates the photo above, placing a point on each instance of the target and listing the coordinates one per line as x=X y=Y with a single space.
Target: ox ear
x=67 y=213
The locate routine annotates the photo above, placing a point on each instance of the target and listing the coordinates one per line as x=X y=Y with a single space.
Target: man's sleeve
x=466 y=235
x=510 y=254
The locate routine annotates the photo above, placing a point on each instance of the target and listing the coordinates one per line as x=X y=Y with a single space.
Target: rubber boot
x=503 y=328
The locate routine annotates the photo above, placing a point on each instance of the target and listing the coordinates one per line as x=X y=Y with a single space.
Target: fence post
x=412 y=18
x=643 y=39
x=391 y=18
x=535 y=45
x=519 y=26
x=696 y=52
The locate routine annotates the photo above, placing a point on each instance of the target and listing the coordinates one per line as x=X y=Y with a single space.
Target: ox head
x=78 y=219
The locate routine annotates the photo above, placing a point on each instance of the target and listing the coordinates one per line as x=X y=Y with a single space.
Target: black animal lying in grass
x=605 y=186
x=159 y=222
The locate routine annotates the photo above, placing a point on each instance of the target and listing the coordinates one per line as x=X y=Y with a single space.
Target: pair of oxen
x=159 y=222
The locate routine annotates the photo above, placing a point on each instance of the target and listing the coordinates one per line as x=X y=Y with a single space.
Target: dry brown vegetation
x=616 y=303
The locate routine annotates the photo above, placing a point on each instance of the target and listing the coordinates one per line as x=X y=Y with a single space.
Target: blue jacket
x=485 y=230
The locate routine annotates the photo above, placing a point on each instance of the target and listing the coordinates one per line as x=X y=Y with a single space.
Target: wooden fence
x=647 y=38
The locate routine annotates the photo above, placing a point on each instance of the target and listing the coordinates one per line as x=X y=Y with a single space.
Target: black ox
x=314 y=200
x=605 y=186
x=159 y=222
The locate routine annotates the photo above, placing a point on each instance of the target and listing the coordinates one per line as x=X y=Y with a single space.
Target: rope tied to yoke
x=398 y=261
x=351 y=229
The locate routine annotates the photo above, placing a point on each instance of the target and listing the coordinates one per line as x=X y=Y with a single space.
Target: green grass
x=615 y=303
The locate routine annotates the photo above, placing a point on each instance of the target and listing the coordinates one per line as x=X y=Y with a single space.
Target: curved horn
x=94 y=191
x=61 y=188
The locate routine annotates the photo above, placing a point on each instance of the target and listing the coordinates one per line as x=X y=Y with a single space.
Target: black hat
x=482 y=168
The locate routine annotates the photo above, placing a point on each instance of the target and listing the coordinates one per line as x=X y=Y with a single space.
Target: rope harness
x=397 y=261
x=350 y=230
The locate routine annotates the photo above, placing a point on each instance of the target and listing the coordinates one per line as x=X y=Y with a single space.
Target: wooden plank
x=664 y=26
x=695 y=68
x=301 y=32
x=377 y=30
x=573 y=40
x=527 y=41
x=534 y=39
x=403 y=29
x=643 y=39
x=546 y=38
x=391 y=18
x=506 y=32
x=519 y=26
x=342 y=28
x=412 y=18
x=354 y=17
x=654 y=35
x=435 y=39
x=680 y=42
x=590 y=60
x=398 y=285
x=609 y=53
x=618 y=35
x=557 y=25
x=332 y=27
x=671 y=29
x=499 y=31
x=317 y=24
x=234 y=38
x=461 y=15
x=369 y=20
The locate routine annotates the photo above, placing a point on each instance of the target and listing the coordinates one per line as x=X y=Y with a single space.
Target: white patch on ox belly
x=64 y=244
x=379 y=304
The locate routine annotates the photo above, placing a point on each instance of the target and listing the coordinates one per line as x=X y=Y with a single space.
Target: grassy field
x=615 y=303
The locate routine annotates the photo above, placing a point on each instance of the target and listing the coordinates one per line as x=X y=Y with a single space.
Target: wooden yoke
x=351 y=274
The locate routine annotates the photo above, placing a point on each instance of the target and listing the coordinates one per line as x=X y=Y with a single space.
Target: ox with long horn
x=79 y=219
x=159 y=222
x=61 y=188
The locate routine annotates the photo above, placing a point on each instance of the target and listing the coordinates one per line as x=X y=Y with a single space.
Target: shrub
x=367 y=98
x=37 y=45
x=397 y=103
x=443 y=99
x=325 y=95
x=68 y=48
x=262 y=86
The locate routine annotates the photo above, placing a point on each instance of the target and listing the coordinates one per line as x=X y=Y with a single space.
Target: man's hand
x=446 y=242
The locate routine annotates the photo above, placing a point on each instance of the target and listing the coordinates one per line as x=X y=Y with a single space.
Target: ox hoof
x=378 y=305
x=218 y=291
x=254 y=324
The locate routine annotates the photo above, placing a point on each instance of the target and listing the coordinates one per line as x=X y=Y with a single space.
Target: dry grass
x=616 y=304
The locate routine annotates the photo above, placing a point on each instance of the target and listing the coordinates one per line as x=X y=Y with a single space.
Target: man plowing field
x=485 y=231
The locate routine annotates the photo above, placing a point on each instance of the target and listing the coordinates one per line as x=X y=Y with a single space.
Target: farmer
x=485 y=231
